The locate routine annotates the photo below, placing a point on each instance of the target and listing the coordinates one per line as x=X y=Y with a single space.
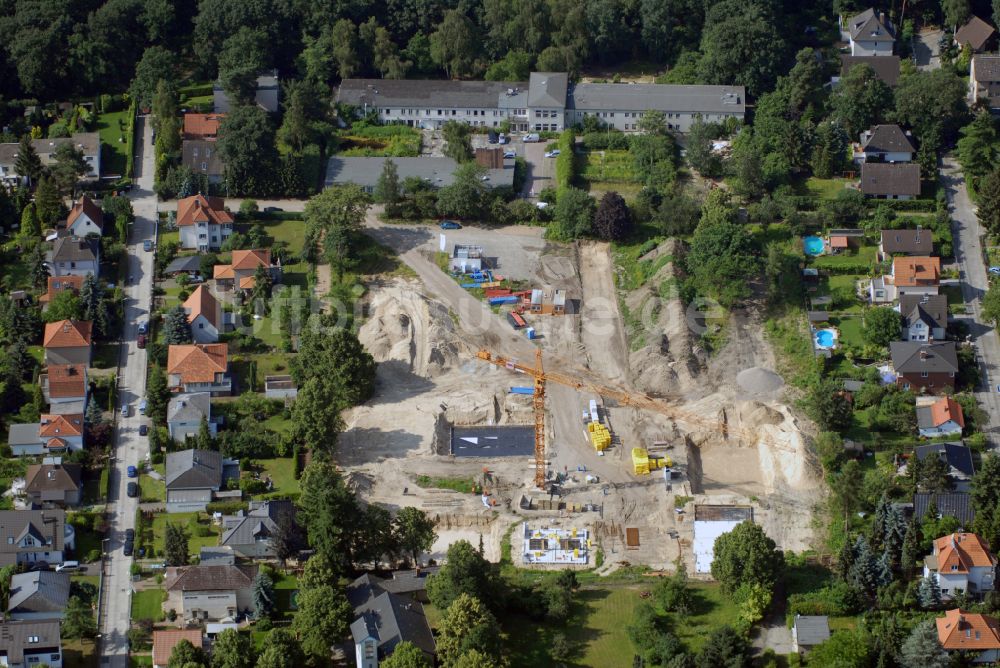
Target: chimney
x=923 y=355
x=881 y=18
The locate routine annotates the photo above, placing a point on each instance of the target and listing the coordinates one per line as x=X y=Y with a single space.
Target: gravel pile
x=756 y=380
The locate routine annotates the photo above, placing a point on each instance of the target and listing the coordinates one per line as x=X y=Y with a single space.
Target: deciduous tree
x=281 y=650
x=746 y=555
x=467 y=625
x=860 y=100
x=232 y=649
x=414 y=532
x=613 y=220
x=989 y=202
x=464 y=572
x=186 y=655
x=333 y=218
x=454 y=45
x=388 y=190
x=574 y=214
x=78 y=620
x=465 y=198
x=741 y=45
x=68 y=168
x=246 y=144
x=157 y=64
x=457 y=144
x=323 y=618
x=406 y=655
x=881 y=326
x=328 y=510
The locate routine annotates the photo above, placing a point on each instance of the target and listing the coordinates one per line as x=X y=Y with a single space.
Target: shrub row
x=565 y=168
x=921 y=205
x=130 y=141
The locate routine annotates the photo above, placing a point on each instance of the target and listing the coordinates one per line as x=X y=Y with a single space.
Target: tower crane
x=618 y=394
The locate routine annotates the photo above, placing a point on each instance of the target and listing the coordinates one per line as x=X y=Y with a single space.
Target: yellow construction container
x=640 y=461
x=599 y=435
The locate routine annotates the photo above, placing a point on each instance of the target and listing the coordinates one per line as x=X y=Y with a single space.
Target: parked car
x=509 y=154
x=132 y=472
x=504 y=139
x=141 y=341
x=39 y=566
x=272 y=209
x=143 y=429
x=147 y=245
x=491 y=137
x=127 y=549
x=142 y=552
x=195 y=278
x=68 y=566
x=532 y=137
x=142 y=407
x=129 y=535
x=126 y=410
x=553 y=153
x=995 y=270
x=132 y=490
x=450 y=225
x=143 y=327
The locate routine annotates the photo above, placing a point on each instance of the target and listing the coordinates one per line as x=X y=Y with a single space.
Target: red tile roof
x=87 y=206
x=202 y=302
x=202 y=126
x=958 y=552
x=197 y=363
x=67 y=380
x=959 y=630
x=201 y=209
x=57 y=284
x=165 y=641
x=67 y=334
x=56 y=426
x=914 y=271
x=251 y=259
x=946 y=409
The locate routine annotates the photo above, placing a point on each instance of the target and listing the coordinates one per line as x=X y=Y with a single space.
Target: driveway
x=129 y=448
x=927 y=49
x=967 y=237
x=541 y=170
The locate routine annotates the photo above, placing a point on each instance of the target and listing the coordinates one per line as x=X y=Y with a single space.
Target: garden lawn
x=281 y=471
x=195 y=542
x=864 y=255
x=113 y=129
x=140 y=660
x=292 y=232
x=168 y=236
x=285 y=592
x=850 y=332
x=608 y=166
x=148 y=604
x=87 y=540
x=826 y=188
x=151 y=489
x=956 y=302
x=80 y=653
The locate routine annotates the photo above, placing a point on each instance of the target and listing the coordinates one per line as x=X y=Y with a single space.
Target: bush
x=92 y=556
x=614 y=140
x=921 y=205
x=225 y=507
x=565 y=168
x=834 y=600
x=171 y=615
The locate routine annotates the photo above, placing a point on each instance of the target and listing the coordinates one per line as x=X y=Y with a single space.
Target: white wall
x=869 y=48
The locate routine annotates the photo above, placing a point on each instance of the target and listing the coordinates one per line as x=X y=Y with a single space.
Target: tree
x=926 y=99
x=454 y=45
x=746 y=555
x=186 y=655
x=157 y=395
x=260 y=296
x=860 y=100
x=157 y=64
x=301 y=109
x=280 y=650
x=333 y=218
x=741 y=45
x=464 y=572
x=93 y=416
x=339 y=357
x=327 y=508
x=414 y=532
x=232 y=649
x=94 y=306
x=956 y=13
x=457 y=144
x=78 y=620
x=574 y=214
x=653 y=157
x=922 y=648
x=978 y=148
x=374 y=539
x=263 y=595
x=175 y=545
x=466 y=196
x=48 y=203
x=406 y=655
x=316 y=414
x=388 y=190
x=991 y=304
x=828 y=405
x=68 y=168
x=244 y=55
x=247 y=146
x=31 y=228
x=64 y=306
x=27 y=164
x=843 y=649
x=387 y=59
x=989 y=203
x=881 y=326
x=699 y=147
x=467 y=625
x=929 y=594
x=613 y=220
x=673 y=594
x=829 y=150
x=722 y=257
x=176 y=328
x=323 y=618
x=986 y=499
x=725 y=647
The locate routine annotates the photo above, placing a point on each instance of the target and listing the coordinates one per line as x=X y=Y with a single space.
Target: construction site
x=571 y=439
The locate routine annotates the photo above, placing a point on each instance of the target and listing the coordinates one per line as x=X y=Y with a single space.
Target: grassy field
x=291 y=232
x=865 y=254
x=87 y=540
x=140 y=660
x=148 y=604
x=380 y=140
x=285 y=590
x=113 y=128
x=607 y=166
x=825 y=188
x=463 y=485
x=282 y=473
x=195 y=542
x=850 y=333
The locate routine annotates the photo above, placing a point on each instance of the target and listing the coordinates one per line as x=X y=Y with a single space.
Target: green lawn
x=140 y=660
x=280 y=424
x=105 y=356
x=285 y=592
x=282 y=473
x=195 y=541
x=956 y=302
x=865 y=254
x=87 y=540
x=80 y=653
x=607 y=166
x=166 y=236
x=291 y=232
x=151 y=489
x=825 y=188
x=850 y=332
x=113 y=128
x=148 y=604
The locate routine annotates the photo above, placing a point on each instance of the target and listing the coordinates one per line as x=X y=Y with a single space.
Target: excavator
x=618 y=394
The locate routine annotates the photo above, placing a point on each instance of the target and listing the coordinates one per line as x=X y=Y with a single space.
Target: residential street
x=969 y=257
x=129 y=448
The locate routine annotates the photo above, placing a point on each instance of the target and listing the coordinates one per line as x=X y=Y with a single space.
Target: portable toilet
x=530 y=332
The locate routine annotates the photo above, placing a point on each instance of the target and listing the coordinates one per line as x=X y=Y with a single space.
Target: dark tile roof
x=868 y=27
x=811 y=629
x=975 y=33
x=184 y=263
x=426 y=93
x=34 y=636
x=890 y=179
x=213 y=578
x=888 y=138
x=952 y=504
x=45 y=526
x=956 y=455
x=407 y=582
x=52 y=478
x=986 y=68
x=914 y=357
x=39 y=591
x=910 y=242
x=934 y=307
x=258 y=524
x=74 y=249
x=194 y=469
x=886 y=67
x=392 y=619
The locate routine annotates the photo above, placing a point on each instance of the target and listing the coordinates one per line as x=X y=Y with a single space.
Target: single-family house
x=249 y=535
x=984 y=81
x=165 y=640
x=53 y=483
x=925 y=317
x=192 y=477
x=942 y=418
x=85 y=218
x=199 y=367
x=383 y=620
x=57 y=284
x=241 y=271
x=905 y=242
x=202 y=126
x=977 y=34
x=870 y=33
x=185 y=413
x=809 y=631
x=53 y=434
x=890 y=180
x=203 y=157
x=67 y=342
x=38 y=595
x=885 y=143
x=30 y=643
x=956 y=456
x=886 y=68
x=924 y=367
x=210 y=593
x=961 y=563
x=946 y=504
x=204 y=314
x=64 y=384
x=909 y=276
x=203 y=222
x=89 y=143
x=30 y=536
x=74 y=256
x=266 y=95
x=970 y=632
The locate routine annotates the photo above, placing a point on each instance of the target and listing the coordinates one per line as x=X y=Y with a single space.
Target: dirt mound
x=759 y=381
x=669 y=359
x=404 y=327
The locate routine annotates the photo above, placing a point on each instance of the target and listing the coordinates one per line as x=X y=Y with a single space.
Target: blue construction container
x=508 y=299
x=522 y=390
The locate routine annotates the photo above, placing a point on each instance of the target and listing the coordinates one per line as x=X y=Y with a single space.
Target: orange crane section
x=620 y=395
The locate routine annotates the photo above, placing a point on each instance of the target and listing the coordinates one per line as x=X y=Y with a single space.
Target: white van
x=142 y=407
x=68 y=566
x=531 y=138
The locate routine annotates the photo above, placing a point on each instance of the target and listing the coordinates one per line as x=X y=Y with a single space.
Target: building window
x=923 y=374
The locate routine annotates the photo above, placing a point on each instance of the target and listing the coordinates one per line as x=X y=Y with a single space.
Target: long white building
x=546 y=102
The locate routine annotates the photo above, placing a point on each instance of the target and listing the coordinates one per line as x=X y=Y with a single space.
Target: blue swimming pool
x=812 y=245
x=825 y=338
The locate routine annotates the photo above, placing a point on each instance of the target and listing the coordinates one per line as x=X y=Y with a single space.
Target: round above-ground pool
x=812 y=245
x=826 y=338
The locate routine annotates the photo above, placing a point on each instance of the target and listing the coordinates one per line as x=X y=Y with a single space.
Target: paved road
x=969 y=256
x=130 y=448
